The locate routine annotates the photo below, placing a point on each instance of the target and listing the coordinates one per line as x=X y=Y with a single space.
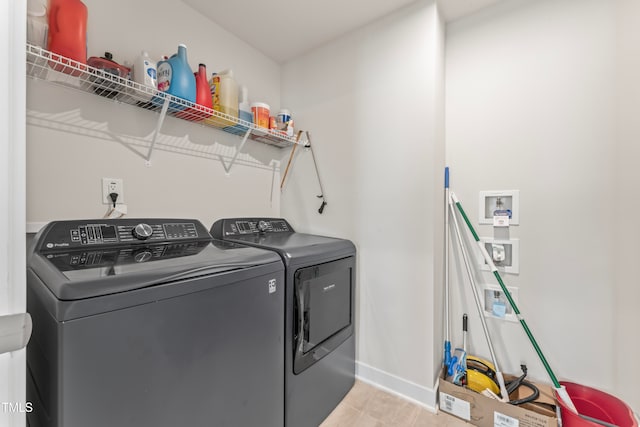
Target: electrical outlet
x=112 y=185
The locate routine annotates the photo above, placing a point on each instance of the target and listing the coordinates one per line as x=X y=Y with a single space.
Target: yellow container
x=224 y=91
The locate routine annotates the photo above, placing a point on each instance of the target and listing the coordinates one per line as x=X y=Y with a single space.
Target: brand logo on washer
x=328 y=288
x=51 y=245
x=272 y=286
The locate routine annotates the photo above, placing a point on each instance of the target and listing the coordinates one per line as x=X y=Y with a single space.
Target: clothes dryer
x=319 y=312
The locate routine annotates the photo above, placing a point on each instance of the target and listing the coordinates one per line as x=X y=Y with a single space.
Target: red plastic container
x=595 y=404
x=67 y=34
x=203 y=98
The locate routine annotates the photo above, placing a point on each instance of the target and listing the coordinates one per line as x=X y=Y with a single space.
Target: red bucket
x=595 y=404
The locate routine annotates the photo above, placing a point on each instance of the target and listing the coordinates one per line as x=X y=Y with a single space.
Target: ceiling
x=284 y=29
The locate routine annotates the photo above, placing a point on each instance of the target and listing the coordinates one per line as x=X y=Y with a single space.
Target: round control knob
x=263 y=226
x=143 y=255
x=142 y=231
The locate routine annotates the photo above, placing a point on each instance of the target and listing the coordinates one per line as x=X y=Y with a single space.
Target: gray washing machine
x=151 y=323
x=319 y=317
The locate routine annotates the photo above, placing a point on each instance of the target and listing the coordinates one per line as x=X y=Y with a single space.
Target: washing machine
x=149 y=323
x=320 y=280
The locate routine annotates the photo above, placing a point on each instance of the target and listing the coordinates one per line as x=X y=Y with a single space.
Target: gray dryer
x=319 y=317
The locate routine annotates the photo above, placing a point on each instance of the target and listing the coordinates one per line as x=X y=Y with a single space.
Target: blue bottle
x=176 y=78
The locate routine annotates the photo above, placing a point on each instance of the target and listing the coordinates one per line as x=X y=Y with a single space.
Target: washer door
x=324 y=296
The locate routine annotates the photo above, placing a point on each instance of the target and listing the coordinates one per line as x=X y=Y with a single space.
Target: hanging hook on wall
x=315 y=164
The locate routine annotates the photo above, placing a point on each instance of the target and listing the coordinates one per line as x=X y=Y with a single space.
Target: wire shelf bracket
x=163 y=114
x=227 y=168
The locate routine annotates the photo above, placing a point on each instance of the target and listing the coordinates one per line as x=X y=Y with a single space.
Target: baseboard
x=421 y=395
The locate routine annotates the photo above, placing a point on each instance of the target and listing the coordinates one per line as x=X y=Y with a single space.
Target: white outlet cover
x=513 y=249
x=487 y=204
x=106 y=183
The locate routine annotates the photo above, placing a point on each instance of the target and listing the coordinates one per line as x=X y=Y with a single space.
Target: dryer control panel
x=63 y=235
x=243 y=226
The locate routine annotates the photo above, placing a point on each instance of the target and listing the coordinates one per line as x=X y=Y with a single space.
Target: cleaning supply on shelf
x=285 y=122
x=67 y=34
x=176 y=78
x=244 y=114
x=204 y=102
x=224 y=91
x=37 y=26
x=145 y=74
x=260 y=112
x=283 y=118
x=244 y=108
x=106 y=65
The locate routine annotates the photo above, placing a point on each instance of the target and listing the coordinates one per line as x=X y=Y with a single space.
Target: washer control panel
x=244 y=226
x=91 y=258
x=74 y=234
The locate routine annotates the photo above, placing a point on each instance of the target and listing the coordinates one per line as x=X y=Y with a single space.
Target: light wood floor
x=368 y=406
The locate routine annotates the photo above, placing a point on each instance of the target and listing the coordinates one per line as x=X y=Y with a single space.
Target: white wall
x=627 y=252
x=12 y=210
x=531 y=89
x=70 y=135
x=373 y=100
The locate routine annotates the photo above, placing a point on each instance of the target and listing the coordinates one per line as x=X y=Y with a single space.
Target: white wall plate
x=490 y=201
x=509 y=262
x=489 y=300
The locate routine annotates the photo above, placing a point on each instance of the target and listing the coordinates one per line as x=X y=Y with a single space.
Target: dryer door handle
x=15 y=331
x=301 y=321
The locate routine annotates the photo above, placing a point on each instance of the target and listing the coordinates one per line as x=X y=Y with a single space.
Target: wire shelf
x=53 y=68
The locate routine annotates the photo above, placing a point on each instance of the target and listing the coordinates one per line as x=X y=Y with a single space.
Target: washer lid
x=87 y=271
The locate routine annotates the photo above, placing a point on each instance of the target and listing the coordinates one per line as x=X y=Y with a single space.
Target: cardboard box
x=484 y=411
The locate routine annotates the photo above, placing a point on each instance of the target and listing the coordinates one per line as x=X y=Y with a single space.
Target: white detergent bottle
x=244 y=108
x=228 y=94
x=144 y=73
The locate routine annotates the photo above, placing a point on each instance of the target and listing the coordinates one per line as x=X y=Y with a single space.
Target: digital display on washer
x=244 y=226
x=108 y=232
x=279 y=226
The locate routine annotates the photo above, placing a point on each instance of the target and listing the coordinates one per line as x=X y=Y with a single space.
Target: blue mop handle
x=446 y=177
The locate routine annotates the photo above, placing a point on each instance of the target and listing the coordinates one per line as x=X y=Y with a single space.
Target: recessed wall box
x=497 y=305
x=499 y=203
x=504 y=253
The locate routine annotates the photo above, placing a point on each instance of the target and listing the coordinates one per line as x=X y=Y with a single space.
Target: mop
x=503 y=390
x=447 y=321
x=560 y=389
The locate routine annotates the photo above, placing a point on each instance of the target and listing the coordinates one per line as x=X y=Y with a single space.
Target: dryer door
x=324 y=314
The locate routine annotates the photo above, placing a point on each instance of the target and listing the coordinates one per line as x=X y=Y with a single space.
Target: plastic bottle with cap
x=224 y=91
x=244 y=108
x=37 y=26
x=67 y=34
x=176 y=78
x=260 y=112
x=228 y=94
x=204 y=102
x=144 y=73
